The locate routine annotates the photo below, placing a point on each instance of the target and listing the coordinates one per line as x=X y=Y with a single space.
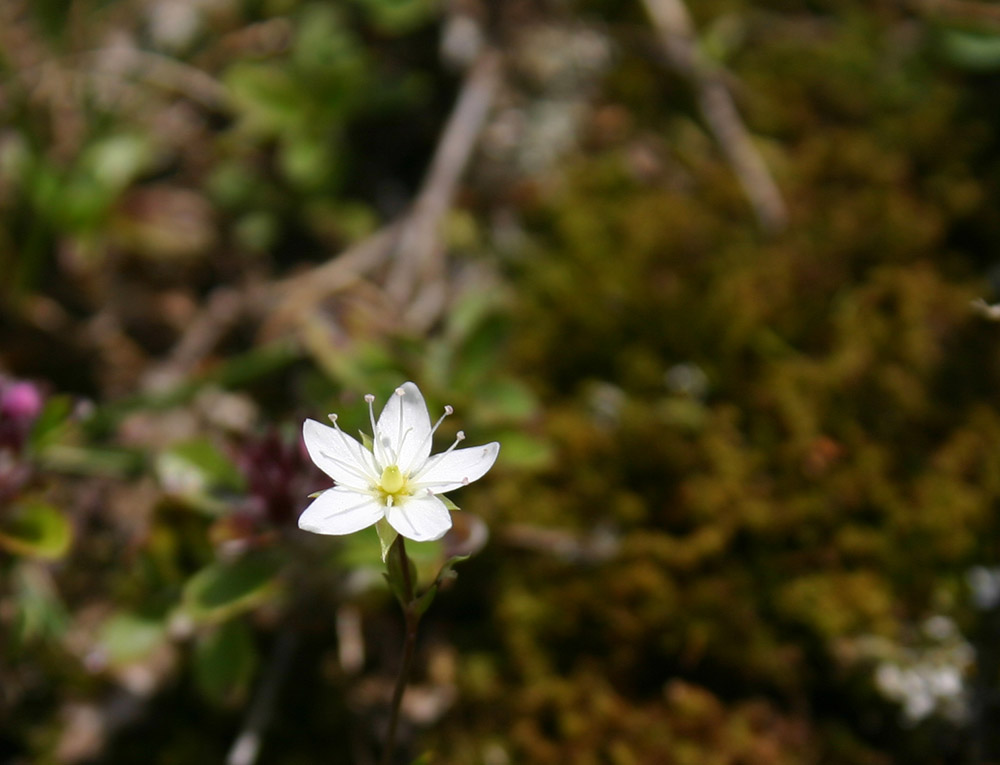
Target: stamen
x=447 y=410
x=351 y=445
x=399 y=431
x=376 y=441
x=402 y=438
x=459 y=437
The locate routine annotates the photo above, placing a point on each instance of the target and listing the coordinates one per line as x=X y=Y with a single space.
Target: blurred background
x=717 y=277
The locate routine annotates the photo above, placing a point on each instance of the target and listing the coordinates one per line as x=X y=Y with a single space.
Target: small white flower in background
x=985 y=586
x=928 y=676
x=397 y=479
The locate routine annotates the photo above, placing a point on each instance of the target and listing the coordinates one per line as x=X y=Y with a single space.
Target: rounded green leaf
x=227 y=588
x=36 y=530
x=128 y=637
x=197 y=470
x=972 y=50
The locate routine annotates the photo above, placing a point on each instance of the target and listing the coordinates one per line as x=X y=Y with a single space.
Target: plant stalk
x=412 y=621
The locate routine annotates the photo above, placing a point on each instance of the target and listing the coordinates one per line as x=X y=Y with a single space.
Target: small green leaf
x=363 y=551
x=36 y=530
x=386 y=536
x=115 y=161
x=224 y=589
x=197 y=470
x=79 y=460
x=398 y=17
x=128 y=637
x=448 y=503
x=401 y=588
x=424 y=601
x=52 y=422
x=306 y=162
x=972 y=50
x=447 y=572
x=38 y=613
x=267 y=98
x=367 y=441
x=225 y=660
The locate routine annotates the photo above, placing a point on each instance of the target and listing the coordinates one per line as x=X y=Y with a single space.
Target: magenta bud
x=20 y=401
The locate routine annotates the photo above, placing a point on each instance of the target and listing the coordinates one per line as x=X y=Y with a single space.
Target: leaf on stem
x=402 y=585
x=386 y=537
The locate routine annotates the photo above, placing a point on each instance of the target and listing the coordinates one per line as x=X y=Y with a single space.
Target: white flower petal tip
x=458 y=467
x=397 y=479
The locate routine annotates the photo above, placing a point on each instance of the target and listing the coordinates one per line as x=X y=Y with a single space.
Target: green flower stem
x=411 y=616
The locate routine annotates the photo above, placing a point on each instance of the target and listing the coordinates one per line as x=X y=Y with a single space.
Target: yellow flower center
x=392 y=481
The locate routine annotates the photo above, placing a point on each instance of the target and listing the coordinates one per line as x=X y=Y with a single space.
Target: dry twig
x=676 y=32
x=415 y=282
x=418 y=256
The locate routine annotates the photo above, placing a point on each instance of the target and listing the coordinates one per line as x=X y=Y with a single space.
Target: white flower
x=396 y=479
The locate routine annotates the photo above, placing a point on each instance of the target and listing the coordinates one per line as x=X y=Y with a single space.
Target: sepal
x=386 y=536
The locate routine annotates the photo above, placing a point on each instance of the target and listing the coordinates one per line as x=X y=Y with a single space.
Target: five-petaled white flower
x=396 y=479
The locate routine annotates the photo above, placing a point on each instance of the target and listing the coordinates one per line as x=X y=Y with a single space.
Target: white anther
x=370 y=398
x=400 y=392
x=333 y=418
x=460 y=436
x=448 y=409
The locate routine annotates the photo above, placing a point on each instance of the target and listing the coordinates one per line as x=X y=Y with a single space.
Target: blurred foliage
x=746 y=504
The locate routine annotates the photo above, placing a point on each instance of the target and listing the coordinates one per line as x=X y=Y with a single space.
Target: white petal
x=421 y=519
x=338 y=455
x=340 y=511
x=447 y=472
x=405 y=424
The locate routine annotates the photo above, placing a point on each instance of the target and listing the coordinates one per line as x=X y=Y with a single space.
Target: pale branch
x=412 y=245
x=225 y=307
x=418 y=254
x=295 y=298
x=676 y=33
x=161 y=71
